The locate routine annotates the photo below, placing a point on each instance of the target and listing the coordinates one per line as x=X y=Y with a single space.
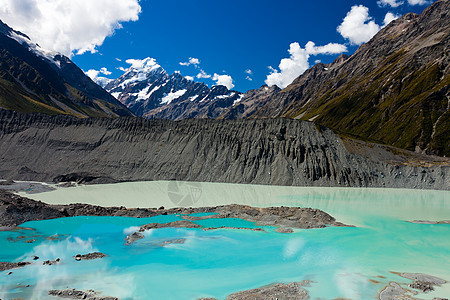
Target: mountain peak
x=38 y=80
x=5 y=29
x=340 y=59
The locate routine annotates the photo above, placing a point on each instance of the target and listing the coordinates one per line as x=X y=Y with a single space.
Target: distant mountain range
x=149 y=91
x=33 y=79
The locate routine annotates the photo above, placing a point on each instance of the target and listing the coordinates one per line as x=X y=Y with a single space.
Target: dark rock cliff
x=266 y=151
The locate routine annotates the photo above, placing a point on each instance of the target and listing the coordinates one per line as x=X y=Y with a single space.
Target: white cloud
x=297 y=63
x=203 y=74
x=100 y=80
x=118 y=59
x=389 y=17
x=192 y=61
x=317 y=61
x=249 y=74
x=105 y=71
x=146 y=64
x=418 y=2
x=189 y=78
x=392 y=3
x=68 y=26
x=358 y=27
x=225 y=80
x=290 y=68
x=122 y=69
x=331 y=48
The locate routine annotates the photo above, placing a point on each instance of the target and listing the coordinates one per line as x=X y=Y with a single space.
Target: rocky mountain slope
x=33 y=79
x=149 y=91
x=266 y=151
x=250 y=102
x=393 y=89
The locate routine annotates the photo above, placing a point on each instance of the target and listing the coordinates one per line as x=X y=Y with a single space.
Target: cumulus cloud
x=192 y=61
x=397 y=3
x=100 y=80
x=68 y=26
x=418 y=2
x=203 y=74
x=298 y=62
x=249 y=73
x=331 y=48
x=392 y=3
x=225 y=80
x=189 y=78
x=389 y=17
x=145 y=63
x=358 y=27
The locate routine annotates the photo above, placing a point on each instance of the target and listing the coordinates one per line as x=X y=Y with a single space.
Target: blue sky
x=227 y=37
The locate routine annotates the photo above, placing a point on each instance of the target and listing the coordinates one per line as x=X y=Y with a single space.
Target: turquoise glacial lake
x=348 y=262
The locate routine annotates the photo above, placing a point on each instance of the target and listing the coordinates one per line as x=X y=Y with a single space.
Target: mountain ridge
x=149 y=91
x=392 y=90
x=33 y=79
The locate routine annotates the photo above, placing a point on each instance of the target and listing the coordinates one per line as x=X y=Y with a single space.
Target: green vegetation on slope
x=400 y=107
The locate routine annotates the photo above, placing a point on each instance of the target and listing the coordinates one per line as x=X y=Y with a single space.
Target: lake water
x=340 y=262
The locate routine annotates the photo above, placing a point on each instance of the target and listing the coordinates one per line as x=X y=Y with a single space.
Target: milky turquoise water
x=340 y=261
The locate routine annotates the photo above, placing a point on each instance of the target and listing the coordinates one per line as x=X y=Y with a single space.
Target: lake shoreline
x=15 y=210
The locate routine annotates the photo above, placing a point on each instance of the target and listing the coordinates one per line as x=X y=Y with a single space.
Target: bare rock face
x=269 y=151
x=250 y=102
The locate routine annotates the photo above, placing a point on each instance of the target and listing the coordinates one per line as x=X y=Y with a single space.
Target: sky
x=241 y=44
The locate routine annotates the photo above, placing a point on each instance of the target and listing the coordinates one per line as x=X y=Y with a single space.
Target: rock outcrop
x=278 y=152
x=78 y=294
x=250 y=102
x=289 y=291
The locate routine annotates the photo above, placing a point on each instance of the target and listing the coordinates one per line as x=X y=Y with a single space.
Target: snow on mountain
x=149 y=91
x=35 y=48
x=37 y=80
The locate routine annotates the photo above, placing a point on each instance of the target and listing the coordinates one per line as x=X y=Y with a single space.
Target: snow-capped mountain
x=149 y=91
x=37 y=80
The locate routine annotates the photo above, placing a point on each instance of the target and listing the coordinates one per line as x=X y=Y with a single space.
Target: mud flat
x=15 y=210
